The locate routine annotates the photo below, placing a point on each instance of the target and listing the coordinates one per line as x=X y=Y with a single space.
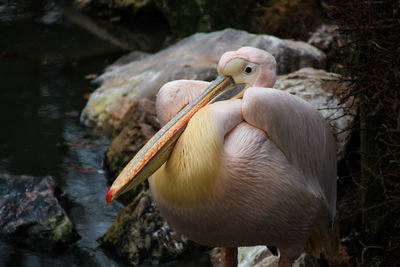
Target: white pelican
x=239 y=165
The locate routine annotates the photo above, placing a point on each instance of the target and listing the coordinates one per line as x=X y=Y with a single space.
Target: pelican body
x=251 y=166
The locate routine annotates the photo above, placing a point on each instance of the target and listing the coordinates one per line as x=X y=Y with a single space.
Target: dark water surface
x=44 y=59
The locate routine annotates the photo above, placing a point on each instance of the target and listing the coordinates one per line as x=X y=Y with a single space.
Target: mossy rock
x=142 y=237
x=31 y=215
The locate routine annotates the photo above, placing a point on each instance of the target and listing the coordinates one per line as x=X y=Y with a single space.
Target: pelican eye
x=248 y=69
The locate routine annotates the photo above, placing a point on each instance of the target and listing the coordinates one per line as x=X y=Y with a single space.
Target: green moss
x=62 y=232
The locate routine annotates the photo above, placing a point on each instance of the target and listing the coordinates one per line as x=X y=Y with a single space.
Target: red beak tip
x=109 y=195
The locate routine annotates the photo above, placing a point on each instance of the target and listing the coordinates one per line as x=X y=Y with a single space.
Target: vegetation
x=371 y=57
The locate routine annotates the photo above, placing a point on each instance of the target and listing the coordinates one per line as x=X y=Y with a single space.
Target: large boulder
x=195 y=57
x=31 y=215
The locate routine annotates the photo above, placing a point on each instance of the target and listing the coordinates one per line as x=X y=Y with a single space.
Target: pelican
x=238 y=163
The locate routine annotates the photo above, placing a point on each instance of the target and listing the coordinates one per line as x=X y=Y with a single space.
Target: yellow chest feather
x=190 y=174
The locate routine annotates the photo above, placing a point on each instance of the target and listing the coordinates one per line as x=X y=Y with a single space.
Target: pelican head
x=244 y=66
x=237 y=71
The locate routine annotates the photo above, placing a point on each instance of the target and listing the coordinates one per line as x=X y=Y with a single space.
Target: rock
x=30 y=213
x=195 y=57
x=325 y=37
x=142 y=237
x=260 y=256
x=322 y=89
x=137 y=126
x=126 y=59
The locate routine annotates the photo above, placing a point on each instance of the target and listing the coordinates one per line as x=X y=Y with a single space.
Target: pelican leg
x=342 y=258
x=284 y=262
x=229 y=257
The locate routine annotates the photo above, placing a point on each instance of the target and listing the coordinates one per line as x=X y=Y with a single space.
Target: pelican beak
x=157 y=150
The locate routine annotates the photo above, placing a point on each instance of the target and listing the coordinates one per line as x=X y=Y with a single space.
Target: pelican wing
x=300 y=132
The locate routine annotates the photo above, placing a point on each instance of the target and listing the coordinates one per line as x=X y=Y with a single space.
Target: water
x=43 y=63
